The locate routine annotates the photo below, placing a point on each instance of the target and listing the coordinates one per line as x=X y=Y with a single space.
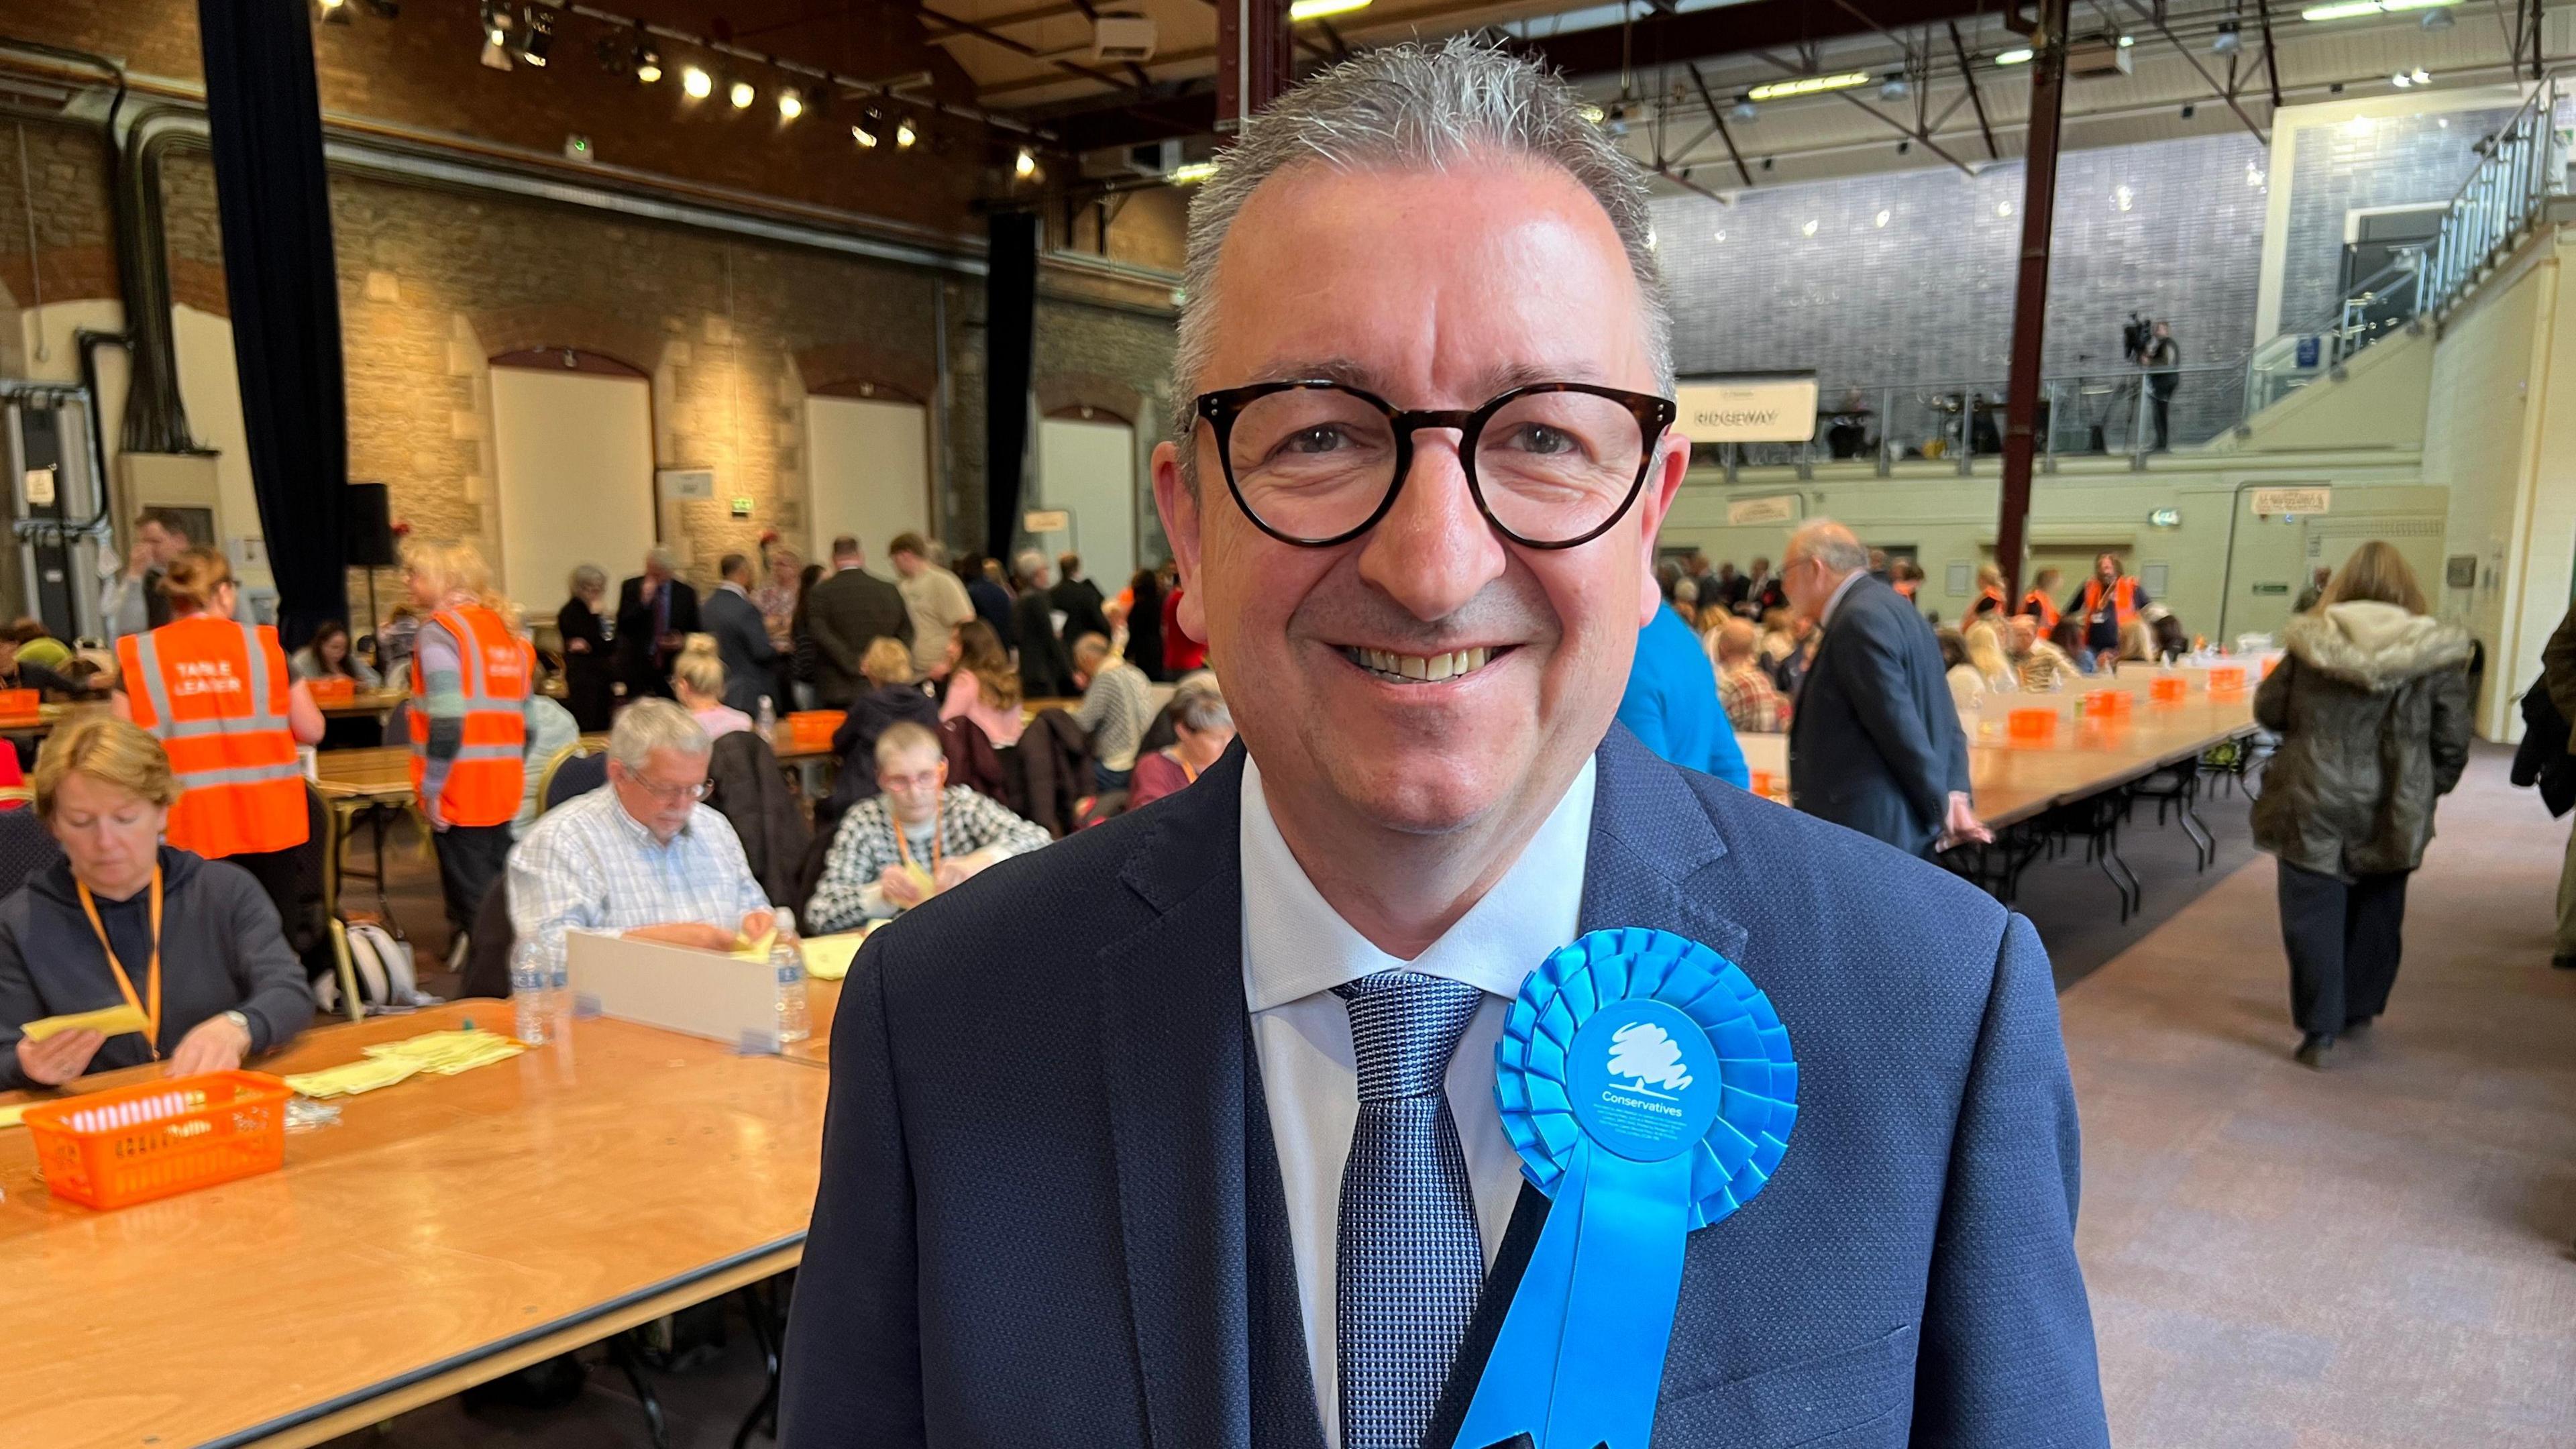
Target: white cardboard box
x=677 y=988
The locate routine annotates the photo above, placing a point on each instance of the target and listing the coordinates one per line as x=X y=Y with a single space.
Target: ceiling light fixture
x=335 y=12
x=1190 y=173
x=905 y=135
x=1595 y=115
x=1808 y=85
x=791 y=104
x=742 y=95
x=648 y=65
x=1895 y=88
x=866 y=129
x=2436 y=20
x=1025 y=165
x=2003 y=208
x=2355 y=9
x=697 y=83
x=2228 y=40
x=1301 y=11
x=1880 y=220
x=2014 y=57
x=1807 y=228
x=1744 y=111
x=496 y=35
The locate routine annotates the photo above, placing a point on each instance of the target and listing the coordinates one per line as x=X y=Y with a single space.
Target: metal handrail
x=2525 y=165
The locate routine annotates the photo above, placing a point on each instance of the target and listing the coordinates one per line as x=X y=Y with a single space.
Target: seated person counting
x=1117 y=708
x=1201 y=727
x=642 y=854
x=917 y=828
x=193 y=945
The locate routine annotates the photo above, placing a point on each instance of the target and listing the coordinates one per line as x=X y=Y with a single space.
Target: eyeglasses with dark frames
x=1551 y=465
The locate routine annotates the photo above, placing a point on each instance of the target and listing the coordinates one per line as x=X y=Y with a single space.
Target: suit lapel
x=1650 y=836
x=1173 y=1037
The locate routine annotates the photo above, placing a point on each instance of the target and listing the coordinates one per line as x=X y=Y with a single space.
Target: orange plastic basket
x=2031 y=724
x=2166 y=691
x=20 y=701
x=2227 y=680
x=339 y=689
x=811 y=729
x=117 y=1148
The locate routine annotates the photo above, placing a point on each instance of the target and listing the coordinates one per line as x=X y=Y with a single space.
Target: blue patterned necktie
x=1409 y=1261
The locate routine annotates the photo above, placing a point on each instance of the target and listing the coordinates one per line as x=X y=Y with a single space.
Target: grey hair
x=655 y=724
x=1199 y=705
x=1828 y=543
x=589 y=576
x=1416 y=105
x=1029 y=564
x=668 y=561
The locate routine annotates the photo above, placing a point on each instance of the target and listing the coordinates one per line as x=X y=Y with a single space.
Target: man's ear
x=1654 y=503
x=1179 y=507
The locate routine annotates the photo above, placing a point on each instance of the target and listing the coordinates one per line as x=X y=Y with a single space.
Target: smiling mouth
x=1422 y=668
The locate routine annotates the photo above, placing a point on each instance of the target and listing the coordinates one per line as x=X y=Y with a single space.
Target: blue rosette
x=1649 y=1088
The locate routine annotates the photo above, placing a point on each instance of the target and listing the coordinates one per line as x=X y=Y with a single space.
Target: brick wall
x=421 y=73
x=2384 y=161
x=1927 y=297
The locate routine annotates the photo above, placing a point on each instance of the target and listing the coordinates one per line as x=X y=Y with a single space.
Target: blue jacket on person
x=1050 y=1211
x=1671 y=702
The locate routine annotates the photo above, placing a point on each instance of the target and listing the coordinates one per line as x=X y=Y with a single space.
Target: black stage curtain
x=1010 y=321
x=266 y=117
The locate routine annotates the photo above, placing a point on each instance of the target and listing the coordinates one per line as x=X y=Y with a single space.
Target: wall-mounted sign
x=2309 y=350
x=686 y=484
x=40 y=487
x=1779 y=409
x=2275 y=501
x=2271 y=588
x=742 y=508
x=1778 y=508
x=1047 y=520
x=2460 y=571
x=2165 y=518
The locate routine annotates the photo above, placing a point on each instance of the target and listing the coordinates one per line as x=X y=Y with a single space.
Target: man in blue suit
x=1874 y=743
x=1182 y=1132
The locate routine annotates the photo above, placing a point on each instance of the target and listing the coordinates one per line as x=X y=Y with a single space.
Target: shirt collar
x=1836 y=601
x=737 y=588
x=1296 y=944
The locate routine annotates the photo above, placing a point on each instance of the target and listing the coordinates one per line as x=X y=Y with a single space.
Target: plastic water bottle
x=531 y=987
x=787 y=959
x=767 y=721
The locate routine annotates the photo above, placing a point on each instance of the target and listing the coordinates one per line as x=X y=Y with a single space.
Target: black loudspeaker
x=371 y=527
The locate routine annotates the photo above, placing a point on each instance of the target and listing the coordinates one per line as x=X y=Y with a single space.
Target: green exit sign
x=742 y=508
x=2270 y=588
x=2165 y=518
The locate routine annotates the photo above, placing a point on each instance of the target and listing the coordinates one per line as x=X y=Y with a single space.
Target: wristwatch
x=239 y=1020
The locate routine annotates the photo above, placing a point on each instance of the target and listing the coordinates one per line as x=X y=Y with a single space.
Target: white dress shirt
x=1297 y=948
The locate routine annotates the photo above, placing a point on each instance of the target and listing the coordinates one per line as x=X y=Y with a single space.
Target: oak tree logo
x=1647 y=1056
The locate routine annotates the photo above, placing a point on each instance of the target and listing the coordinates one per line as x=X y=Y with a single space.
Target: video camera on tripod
x=2137 y=335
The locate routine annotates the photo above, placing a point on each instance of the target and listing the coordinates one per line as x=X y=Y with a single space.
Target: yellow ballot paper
x=15 y=1116
x=754 y=950
x=929 y=887
x=108 y=1021
x=828 y=958
x=444 y=1053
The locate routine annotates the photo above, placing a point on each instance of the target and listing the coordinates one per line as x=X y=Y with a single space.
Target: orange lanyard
x=116 y=968
x=1189 y=772
x=904 y=847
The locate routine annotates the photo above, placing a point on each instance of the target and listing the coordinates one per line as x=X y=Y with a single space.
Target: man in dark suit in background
x=1092 y=1191
x=1875 y=741
x=1046 y=667
x=1078 y=599
x=655 y=611
x=742 y=639
x=845 y=612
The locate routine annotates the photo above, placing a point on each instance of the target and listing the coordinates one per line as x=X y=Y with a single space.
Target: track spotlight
x=905 y=135
x=2227 y=41
x=1895 y=88
x=496 y=35
x=335 y=12
x=697 y=83
x=791 y=103
x=1025 y=165
x=742 y=95
x=867 y=128
x=1745 y=112
x=539 y=35
x=2437 y=20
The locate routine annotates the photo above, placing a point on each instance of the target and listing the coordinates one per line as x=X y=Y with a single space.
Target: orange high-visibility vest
x=486 y=778
x=2124 y=599
x=213 y=692
x=2044 y=608
x=1990 y=600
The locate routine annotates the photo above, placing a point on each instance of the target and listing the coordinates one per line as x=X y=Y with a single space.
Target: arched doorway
x=868 y=466
x=1087 y=469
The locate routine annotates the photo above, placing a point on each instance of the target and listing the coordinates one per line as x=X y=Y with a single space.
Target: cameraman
x=2162 y=360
